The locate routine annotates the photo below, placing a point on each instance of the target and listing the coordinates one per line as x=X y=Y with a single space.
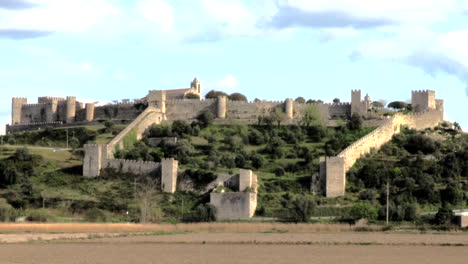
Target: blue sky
x=104 y=50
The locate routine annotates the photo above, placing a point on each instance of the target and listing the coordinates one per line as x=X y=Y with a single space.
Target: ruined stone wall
x=235 y=205
x=137 y=167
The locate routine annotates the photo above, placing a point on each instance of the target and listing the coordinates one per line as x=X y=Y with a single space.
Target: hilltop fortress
x=166 y=106
x=175 y=105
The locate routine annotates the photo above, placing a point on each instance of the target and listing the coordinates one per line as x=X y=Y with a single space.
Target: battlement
x=19 y=98
x=33 y=105
x=422 y=91
x=49 y=99
x=136 y=162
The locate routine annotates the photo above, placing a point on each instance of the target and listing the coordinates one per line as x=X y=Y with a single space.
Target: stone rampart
x=136 y=129
x=137 y=167
x=188 y=109
x=169 y=171
x=116 y=111
x=336 y=167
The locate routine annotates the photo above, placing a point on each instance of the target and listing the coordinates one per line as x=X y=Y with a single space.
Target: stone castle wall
x=137 y=167
x=336 y=167
x=186 y=109
x=149 y=117
x=115 y=111
x=235 y=205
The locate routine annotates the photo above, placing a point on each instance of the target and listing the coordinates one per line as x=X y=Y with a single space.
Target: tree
x=74 y=143
x=336 y=101
x=377 y=105
x=278 y=116
x=311 y=116
x=301 y=209
x=206 y=213
x=149 y=208
x=192 y=96
x=444 y=217
x=215 y=94
x=257 y=161
x=398 y=105
x=206 y=118
x=238 y=97
x=109 y=124
x=300 y=100
x=355 y=122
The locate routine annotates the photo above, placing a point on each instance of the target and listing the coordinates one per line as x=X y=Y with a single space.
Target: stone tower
x=289 y=108
x=71 y=109
x=90 y=111
x=16 y=109
x=423 y=100
x=222 y=107
x=196 y=85
x=355 y=101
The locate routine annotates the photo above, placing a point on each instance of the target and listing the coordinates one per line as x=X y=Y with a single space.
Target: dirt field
x=225 y=243
x=123 y=253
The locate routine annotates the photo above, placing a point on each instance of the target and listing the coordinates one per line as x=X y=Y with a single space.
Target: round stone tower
x=90 y=111
x=222 y=107
x=71 y=109
x=289 y=108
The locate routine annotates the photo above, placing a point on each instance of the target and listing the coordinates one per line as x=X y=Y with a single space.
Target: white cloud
x=59 y=15
x=157 y=11
x=228 y=82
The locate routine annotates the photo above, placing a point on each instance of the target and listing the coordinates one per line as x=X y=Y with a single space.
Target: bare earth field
x=215 y=243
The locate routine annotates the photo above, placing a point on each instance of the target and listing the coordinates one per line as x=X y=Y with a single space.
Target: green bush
x=301 y=209
x=206 y=213
x=7 y=212
x=363 y=210
x=95 y=215
x=39 y=215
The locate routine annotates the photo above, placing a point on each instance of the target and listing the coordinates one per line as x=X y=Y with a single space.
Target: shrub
x=363 y=210
x=39 y=215
x=7 y=212
x=444 y=217
x=205 y=213
x=206 y=118
x=279 y=171
x=95 y=215
x=301 y=209
x=257 y=161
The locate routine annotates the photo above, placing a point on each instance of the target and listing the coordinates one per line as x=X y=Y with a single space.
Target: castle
x=175 y=104
x=165 y=106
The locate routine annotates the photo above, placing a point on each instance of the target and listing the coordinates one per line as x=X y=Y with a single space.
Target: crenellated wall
x=334 y=168
x=137 y=167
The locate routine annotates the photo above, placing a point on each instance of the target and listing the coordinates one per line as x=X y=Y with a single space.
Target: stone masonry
x=333 y=169
x=237 y=205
